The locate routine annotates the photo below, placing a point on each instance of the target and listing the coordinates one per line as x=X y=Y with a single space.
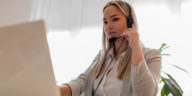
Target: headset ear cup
x=129 y=22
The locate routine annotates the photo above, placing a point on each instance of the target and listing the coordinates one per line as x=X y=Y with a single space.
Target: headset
x=129 y=18
x=129 y=24
x=112 y=41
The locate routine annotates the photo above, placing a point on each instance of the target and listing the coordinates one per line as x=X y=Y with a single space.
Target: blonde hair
x=124 y=66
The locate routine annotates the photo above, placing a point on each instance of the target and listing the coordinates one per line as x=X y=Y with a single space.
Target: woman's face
x=115 y=23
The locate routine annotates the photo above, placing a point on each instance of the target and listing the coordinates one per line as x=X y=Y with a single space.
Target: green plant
x=170 y=85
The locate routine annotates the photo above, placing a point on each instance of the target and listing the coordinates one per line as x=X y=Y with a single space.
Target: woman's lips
x=110 y=33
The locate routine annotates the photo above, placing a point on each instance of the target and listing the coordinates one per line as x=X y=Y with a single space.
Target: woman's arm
x=145 y=73
x=77 y=86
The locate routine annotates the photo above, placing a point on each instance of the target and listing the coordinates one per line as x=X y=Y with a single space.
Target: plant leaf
x=165 y=48
x=162 y=46
x=174 y=81
x=166 y=54
x=165 y=91
x=173 y=87
x=161 y=81
x=179 y=68
x=162 y=91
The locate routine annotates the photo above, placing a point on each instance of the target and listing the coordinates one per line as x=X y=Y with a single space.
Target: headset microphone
x=113 y=39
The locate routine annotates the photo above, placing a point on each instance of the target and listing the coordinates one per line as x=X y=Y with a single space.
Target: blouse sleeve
x=145 y=76
x=78 y=84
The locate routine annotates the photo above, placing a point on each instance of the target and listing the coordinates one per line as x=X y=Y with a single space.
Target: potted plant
x=170 y=85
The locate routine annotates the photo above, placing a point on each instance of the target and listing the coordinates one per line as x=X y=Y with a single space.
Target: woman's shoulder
x=150 y=53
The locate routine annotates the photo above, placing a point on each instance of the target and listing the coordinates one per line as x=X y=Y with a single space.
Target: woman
x=123 y=67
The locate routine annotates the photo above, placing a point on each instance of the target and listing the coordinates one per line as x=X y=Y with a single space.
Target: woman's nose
x=109 y=26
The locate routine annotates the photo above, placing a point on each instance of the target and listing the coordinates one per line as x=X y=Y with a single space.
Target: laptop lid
x=25 y=64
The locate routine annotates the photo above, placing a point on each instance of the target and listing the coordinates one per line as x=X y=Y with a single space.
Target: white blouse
x=110 y=85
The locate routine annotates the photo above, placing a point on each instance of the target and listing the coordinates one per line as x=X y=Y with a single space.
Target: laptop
x=25 y=63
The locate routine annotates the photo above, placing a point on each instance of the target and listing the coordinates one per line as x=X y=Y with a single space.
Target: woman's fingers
x=129 y=31
x=133 y=26
x=126 y=32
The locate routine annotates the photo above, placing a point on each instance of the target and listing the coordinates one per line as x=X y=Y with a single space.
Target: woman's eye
x=115 y=19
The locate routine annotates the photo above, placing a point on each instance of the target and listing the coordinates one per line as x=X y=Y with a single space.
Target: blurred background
x=74 y=29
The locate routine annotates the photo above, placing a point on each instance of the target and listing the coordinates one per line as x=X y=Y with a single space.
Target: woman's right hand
x=65 y=90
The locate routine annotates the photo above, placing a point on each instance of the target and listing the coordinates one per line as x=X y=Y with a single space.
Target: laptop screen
x=25 y=63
